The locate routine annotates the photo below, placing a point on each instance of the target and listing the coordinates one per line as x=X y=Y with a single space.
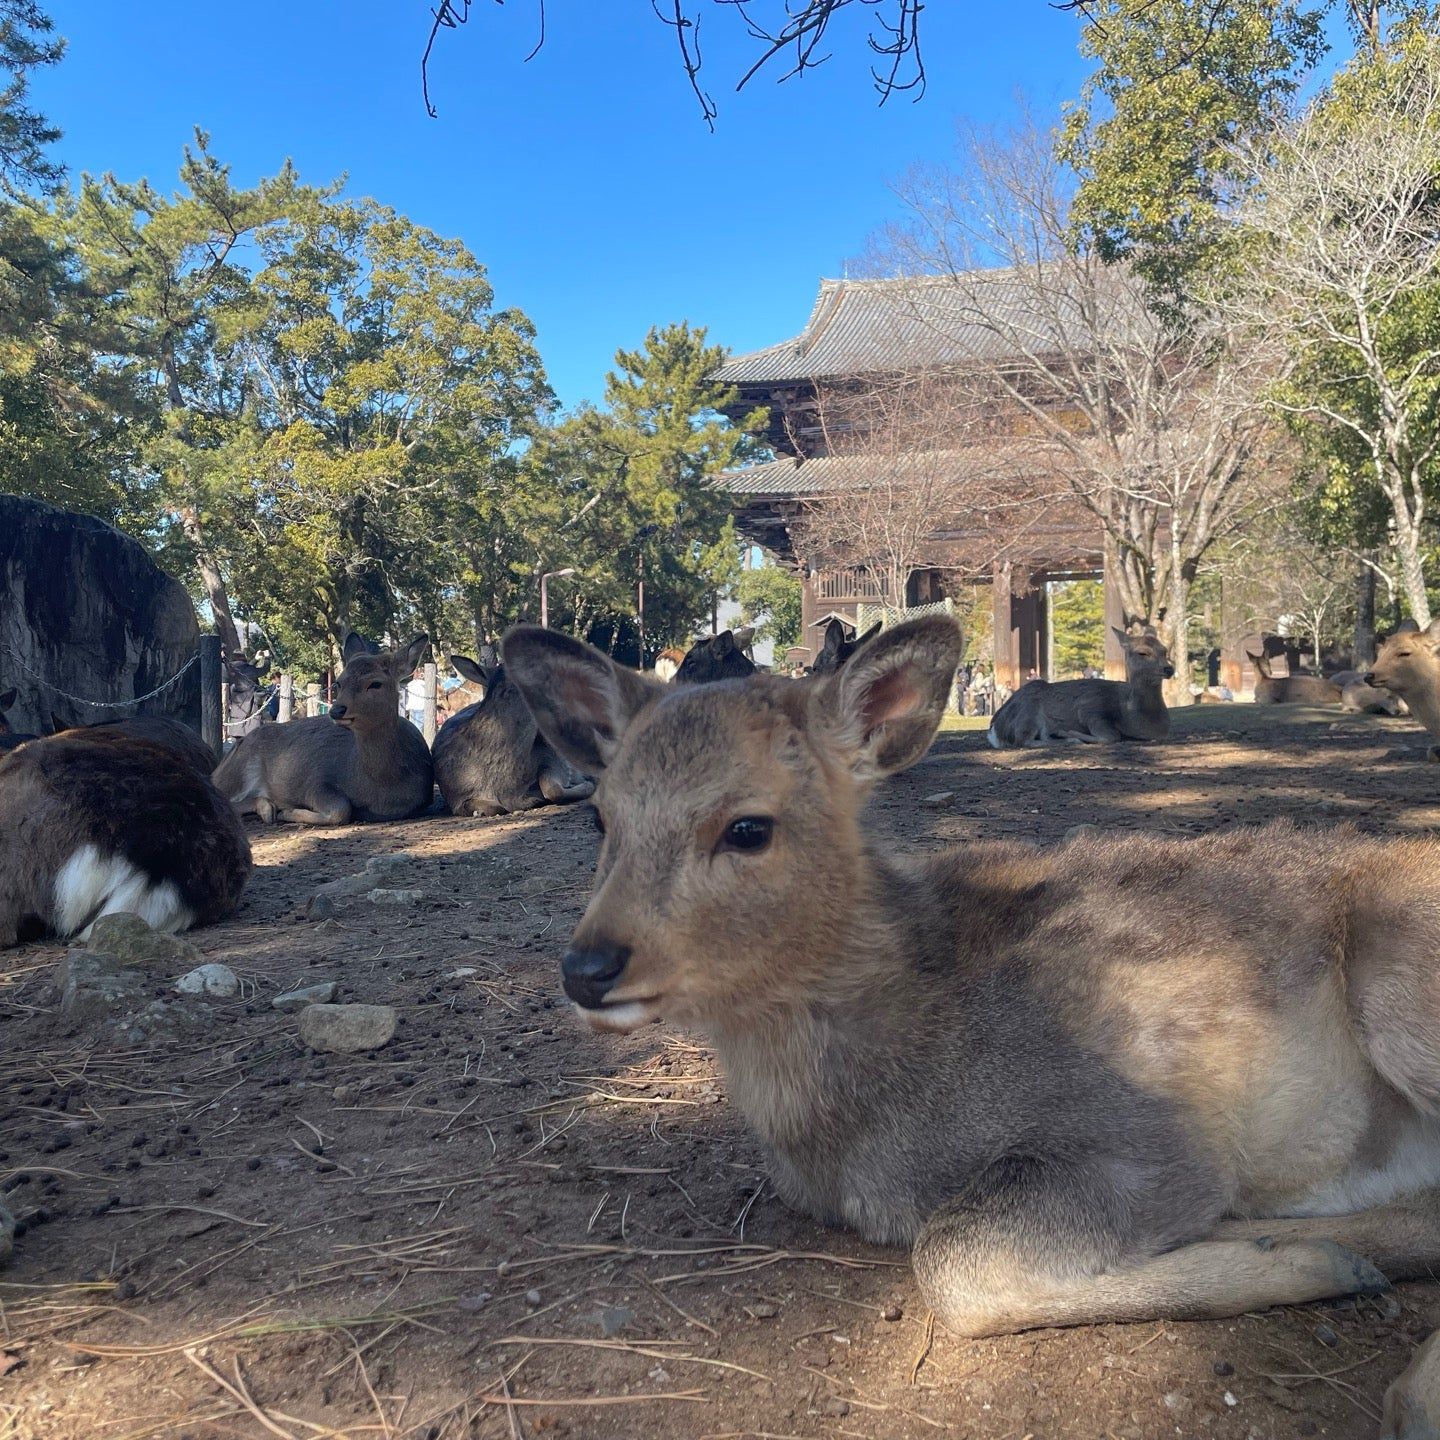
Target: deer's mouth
x=621 y=1016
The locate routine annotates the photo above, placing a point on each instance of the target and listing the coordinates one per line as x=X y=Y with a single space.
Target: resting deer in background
x=1092 y=711
x=837 y=648
x=1291 y=689
x=1033 y=1066
x=1409 y=666
x=362 y=762
x=716 y=657
x=471 y=689
x=490 y=759
x=101 y=820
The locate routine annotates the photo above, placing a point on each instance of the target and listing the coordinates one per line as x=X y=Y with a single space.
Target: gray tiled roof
x=835 y=474
x=860 y=327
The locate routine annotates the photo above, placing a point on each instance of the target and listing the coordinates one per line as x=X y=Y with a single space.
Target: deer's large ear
x=582 y=701
x=7 y=699
x=887 y=702
x=404 y=663
x=357 y=645
x=1432 y=631
x=1125 y=638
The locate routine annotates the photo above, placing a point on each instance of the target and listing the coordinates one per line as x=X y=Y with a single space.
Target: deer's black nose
x=337 y=712
x=591 y=971
x=1169 y=671
x=1369 y=677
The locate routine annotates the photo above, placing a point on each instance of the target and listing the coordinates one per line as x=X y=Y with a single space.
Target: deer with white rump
x=1092 y=711
x=115 y=818
x=1032 y=1066
x=361 y=762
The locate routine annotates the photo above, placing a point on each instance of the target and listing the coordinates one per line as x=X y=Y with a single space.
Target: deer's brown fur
x=1408 y=665
x=97 y=821
x=1273 y=689
x=1091 y=711
x=362 y=762
x=1045 y=1070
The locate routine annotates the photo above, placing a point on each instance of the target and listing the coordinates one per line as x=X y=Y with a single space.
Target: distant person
x=415 y=700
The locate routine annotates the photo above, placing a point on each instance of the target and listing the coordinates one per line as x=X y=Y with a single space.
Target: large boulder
x=88 y=613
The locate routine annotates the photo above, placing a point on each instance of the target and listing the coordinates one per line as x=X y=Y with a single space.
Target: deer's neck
x=791 y=1062
x=1425 y=707
x=377 y=748
x=1143 y=697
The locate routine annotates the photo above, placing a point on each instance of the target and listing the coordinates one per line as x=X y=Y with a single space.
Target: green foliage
x=1077 y=619
x=1155 y=137
x=771 y=600
x=27 y=43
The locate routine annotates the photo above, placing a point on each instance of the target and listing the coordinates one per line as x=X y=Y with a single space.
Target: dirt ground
x=502 y=1225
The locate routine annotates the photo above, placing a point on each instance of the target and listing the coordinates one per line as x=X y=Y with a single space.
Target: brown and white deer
x=1092 y=711
x=1408 y=665
x=362 y=762
x=106 y=819
x=1033 y=1066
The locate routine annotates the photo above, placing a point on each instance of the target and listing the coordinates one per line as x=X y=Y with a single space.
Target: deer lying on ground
x=1273 y=689
x=362 y=762
x=159 y=730
x=100 y=820
x=1408 y=665
x=1360 y=697
x=491 y=759
x=1033 y=1066
x=716 y=657
x=1092 y=711
x=837 y=649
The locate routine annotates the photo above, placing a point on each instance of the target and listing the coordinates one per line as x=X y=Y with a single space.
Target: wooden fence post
x=312 y=699
x=431 y=679
x=212 y=725
x=287 y=698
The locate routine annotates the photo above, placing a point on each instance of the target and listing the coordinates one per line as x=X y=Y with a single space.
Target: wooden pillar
x=1114 y=620
x=287 y=698
x=431 y=680
x=312 y=699
x=212 y=727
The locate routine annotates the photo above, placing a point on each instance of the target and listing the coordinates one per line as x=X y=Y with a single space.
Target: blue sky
x=585 y=180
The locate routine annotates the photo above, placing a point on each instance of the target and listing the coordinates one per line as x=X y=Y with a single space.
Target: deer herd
x=1033 y=1065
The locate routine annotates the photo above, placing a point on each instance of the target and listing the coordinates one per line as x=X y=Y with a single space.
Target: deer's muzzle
x=590 y=972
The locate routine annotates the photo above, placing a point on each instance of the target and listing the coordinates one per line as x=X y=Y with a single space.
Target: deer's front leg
x=1035 y=1243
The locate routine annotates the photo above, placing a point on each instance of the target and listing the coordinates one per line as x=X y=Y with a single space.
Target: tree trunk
x=213 y=581
x=1178 y=689
x=1412 y=574
x=1364 y=653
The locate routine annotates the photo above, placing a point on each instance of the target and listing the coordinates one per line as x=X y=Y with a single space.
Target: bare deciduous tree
x=914 y=483
x=1346 y=252
x=1151 y=419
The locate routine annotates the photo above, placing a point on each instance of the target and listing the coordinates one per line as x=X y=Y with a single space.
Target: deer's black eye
x=749 y=833
x=375 y=685
x=598 y=818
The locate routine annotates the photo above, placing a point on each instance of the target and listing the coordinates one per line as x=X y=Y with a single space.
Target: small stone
x=1230 y=1399
x=613 y=1319
x=892 y=1313
x=1308 y=1427
x=1326 y=1336
x=398 y=899
x=835 y=1406
x=93 y=986
x=345 y=1029
x=218 y=981
x=321 y=994
x=532 y=1297
x=763 y=1310
x=131 y=941
x=463 y=973
x=1223 y=1368
x=940 y=797
x=1388 y=1306
x=472 y=1303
